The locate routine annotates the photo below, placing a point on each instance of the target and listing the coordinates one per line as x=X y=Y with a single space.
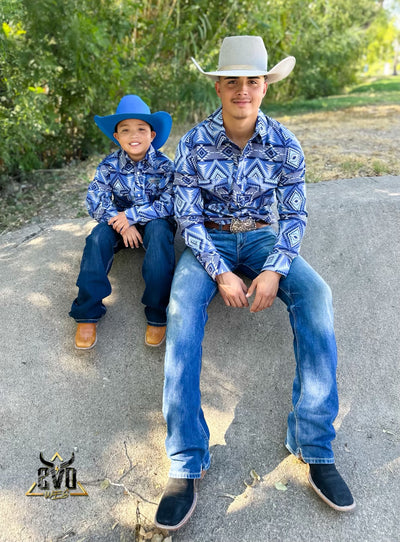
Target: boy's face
x=135 y=137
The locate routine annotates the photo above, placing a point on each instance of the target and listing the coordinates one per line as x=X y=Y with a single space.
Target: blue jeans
x=309 y=303
x=158 y=269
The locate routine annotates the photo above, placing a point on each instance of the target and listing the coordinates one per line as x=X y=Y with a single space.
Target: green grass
x=375 y=92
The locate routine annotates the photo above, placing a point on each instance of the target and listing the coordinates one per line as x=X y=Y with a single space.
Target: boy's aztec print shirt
x=143 y=190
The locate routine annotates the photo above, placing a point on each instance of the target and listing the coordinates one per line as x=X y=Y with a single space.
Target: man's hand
x=266 y=287
x=232 y=289
x=132 y=237
x=119 y=222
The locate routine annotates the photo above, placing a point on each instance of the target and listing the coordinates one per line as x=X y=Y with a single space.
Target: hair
x=119 y=122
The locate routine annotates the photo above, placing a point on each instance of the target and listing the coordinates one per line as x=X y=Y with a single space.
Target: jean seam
x=204 y=309
x=298 y=363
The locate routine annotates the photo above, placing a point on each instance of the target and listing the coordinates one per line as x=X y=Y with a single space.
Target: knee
x=183 y=312
x=323 y=292
x=100 y=234
x=177 y=314
x=160 y=229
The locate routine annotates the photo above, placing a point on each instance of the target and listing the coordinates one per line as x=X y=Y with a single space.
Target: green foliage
x=383 y=43
x=63 y=61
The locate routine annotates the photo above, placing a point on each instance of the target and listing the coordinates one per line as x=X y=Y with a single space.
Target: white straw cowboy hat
x=246 y=56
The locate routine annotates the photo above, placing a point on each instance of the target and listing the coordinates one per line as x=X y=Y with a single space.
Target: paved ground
x=105 y=405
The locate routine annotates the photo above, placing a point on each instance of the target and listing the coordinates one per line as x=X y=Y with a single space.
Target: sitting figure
x=131 y=197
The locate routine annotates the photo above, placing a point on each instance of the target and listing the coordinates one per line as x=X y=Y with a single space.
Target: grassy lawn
x=382 y=91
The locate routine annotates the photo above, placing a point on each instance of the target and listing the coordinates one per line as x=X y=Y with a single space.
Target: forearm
x=161 y=208
x=199 y=241
x=100 y=209
x=287 y=246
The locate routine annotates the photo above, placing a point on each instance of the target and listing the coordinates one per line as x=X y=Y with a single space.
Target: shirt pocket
x=152 y=187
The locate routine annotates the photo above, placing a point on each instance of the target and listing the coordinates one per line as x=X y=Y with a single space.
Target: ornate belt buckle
x=240 y=226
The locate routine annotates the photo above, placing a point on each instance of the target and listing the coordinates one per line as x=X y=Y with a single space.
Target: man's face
x=135 y=137
x=241 y=97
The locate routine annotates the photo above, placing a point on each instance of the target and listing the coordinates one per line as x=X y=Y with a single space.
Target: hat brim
x=161 y=123
x=277 y=73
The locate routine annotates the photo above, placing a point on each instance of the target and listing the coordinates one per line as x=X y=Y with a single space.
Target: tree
x=63 y=61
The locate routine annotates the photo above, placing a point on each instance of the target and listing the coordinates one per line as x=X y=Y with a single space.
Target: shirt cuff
x=278 y=262
x=213 y=264
x=131 y=215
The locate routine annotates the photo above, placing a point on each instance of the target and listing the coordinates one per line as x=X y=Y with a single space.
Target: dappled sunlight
x=39 y=300
x=290 y=471
x=219 y=422
x=29 y=268
x=136 y=468
x=107 y=401
x=36 y=241
x=390 y=468
x=6 y=292
x=76 y=228
x=16 y=514
x=344 y=410
x=125 y=511
x=393 y=194
x=79 y=362
x=65 y=267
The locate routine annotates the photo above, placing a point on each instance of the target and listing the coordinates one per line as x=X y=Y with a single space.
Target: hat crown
x=243 y=51
x=132 y=104
x=246 y=56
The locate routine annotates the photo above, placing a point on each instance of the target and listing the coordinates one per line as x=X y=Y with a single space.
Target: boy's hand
x=119 y=222
x=132 y=237
x=266 y=286
x=232 y=289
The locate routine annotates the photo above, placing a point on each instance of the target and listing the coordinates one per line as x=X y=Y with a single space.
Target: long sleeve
x=291 y=205
x=143 y=190
x=189 y=208
x=217 y=181
x=99 y=200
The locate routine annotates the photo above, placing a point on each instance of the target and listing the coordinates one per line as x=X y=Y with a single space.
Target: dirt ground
x=355 y=142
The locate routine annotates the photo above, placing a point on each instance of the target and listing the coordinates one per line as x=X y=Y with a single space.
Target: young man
x=229 y=170
x=131 y=197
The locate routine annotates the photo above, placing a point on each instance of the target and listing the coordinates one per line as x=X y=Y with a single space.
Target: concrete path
x=105 y=405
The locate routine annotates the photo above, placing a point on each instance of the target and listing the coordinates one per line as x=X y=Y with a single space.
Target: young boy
x=132 y=199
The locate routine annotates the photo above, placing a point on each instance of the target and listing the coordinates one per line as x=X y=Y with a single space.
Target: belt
x=237 y=225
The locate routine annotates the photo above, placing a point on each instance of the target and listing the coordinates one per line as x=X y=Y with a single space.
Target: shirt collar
x=125 y=162
x=216 y=128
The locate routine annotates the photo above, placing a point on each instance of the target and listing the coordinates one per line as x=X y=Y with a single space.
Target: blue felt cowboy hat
x=133 y=107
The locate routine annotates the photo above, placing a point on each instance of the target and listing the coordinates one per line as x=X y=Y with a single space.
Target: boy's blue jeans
x=309 y=303
x=98 y=255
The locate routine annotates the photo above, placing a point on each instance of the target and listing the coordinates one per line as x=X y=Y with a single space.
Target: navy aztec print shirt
x=144 y=189
x=215 y=180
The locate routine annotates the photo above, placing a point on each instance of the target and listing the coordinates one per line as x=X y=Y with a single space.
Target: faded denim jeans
x=309 y=303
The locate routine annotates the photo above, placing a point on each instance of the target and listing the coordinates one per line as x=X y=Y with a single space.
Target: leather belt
x=237 y=225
